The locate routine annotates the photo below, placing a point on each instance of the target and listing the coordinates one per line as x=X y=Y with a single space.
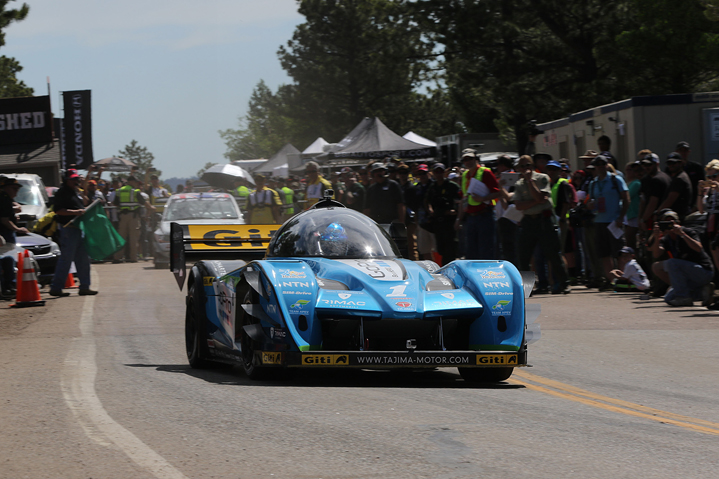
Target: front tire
x=195 y=340
x=252 y=369
x=485 y=375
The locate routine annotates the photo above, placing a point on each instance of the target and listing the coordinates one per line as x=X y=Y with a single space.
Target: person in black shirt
x=8 y=219
x=69 y=203
x=384 y=202
x=442 y=198
x=679 y=195
x=688 y=270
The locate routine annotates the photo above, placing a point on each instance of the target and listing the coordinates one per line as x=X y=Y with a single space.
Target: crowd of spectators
x=645 y=229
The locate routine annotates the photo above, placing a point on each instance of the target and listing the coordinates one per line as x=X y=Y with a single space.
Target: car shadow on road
x=335 y=378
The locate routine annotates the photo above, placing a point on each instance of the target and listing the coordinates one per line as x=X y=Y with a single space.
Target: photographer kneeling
x=689 y=269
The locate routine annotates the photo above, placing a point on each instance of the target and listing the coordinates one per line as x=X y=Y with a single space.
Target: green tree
x=10 y=86
x=141 y=157
x=670 y=47
x=507 y=63
x=264 y=130
x=352 y=59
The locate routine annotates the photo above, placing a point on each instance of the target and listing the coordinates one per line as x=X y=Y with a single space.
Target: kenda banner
x=77 y=129
x=25 y=120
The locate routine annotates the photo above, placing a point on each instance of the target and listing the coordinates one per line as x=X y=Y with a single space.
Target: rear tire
x=485 y=375
x=195 y=339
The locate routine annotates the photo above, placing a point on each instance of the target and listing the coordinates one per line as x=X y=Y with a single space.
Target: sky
x=167 y=73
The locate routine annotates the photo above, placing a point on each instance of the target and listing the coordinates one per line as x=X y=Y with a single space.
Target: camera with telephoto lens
x=666 y=225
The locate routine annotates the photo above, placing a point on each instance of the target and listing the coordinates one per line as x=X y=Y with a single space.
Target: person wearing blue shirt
x=609 y=199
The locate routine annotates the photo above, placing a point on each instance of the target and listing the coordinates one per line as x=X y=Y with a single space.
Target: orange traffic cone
x=70 y=282
x=28 y=292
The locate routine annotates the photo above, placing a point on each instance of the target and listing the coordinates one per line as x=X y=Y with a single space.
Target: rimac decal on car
x=382 y=270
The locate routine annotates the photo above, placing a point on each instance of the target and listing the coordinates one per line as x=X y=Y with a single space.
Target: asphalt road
x=99 y=387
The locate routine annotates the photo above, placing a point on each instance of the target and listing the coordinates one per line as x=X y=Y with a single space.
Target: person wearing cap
x=541 y=160
x=604 y=143
x=8 y=218
x=316 y=184
x=687 y=269
x=443 y=198
x=69 y=203
x=477 y=211
x=532 y=196
x=694 y=170
x=609 y=199
x=655 y=185
x=629 y=277
x=263 y=205
x=415 y=198
x=385 y=201
x=679 y=194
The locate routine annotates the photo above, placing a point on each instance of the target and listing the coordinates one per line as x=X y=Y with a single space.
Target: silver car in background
x=193 y=209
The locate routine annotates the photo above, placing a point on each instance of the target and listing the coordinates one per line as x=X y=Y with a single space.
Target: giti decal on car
x=240 y=237
x=325 y=360
x=377 y=269
x=269 y=357
x=497 y=359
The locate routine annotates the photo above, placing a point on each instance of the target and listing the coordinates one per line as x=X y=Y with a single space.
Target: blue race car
x=329 y=288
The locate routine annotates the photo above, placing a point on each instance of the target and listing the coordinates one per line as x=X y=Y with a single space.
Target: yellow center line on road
x=565 y=391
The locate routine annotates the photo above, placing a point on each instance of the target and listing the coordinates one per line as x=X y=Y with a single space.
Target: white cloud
x=177 y=24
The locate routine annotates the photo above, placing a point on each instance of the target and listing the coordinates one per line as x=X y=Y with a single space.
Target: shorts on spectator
x=606 y=244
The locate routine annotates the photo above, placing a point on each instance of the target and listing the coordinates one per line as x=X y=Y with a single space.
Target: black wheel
x=249 y=346
x=195 y=340
x=485 y=375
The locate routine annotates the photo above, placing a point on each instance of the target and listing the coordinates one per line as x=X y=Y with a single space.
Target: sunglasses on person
x=713 y=176
x=525 y=165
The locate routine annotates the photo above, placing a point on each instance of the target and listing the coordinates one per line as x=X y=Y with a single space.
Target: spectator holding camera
x=687 y=269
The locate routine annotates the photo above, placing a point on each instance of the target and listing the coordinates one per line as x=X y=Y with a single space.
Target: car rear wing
x=216 y=242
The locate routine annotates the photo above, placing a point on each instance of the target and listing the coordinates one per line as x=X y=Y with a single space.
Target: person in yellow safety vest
x=264 y=204
x=562 y=199
x=241 y=192
x=129 y=199
x=480 y=191
x=316 y=184
x=288 y=198
x=158 y=194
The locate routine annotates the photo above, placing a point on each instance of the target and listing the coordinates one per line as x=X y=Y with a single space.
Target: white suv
x=32 y=197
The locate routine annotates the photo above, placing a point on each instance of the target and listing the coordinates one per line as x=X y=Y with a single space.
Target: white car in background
x=32 y=197
x=193 y=209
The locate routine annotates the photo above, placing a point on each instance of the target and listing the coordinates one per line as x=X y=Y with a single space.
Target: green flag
x=101 y=239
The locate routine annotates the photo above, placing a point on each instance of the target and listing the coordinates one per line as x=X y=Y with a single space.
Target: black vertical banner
x=77 y=128
x=59 y=126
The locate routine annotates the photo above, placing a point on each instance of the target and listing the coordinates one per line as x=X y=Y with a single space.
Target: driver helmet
x=333 y=241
